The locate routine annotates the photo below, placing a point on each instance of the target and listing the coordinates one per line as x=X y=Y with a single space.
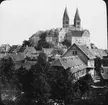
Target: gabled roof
x=84 y=49
x=30 y=50
x=15 y=57
x=73 y=62
x=98 y=52
x=65 y=15
x=14 y=48
x=77 y=33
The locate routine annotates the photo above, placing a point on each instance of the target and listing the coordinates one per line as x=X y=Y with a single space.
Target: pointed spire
x=65 y=18
x=77 y=17
x=65 y=15
x=77 y=20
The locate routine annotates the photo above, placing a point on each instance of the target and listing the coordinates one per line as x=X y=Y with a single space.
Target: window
x=74 y=52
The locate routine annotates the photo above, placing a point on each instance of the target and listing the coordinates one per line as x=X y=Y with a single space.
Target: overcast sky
x=19 y=19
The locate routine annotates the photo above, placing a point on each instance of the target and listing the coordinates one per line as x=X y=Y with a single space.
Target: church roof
x=77 y=17
x=65 y=15
x=77 y=33
x=74 y=33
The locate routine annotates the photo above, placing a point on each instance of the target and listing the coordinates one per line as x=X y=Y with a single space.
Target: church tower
x=77 y=20
x=65 y=19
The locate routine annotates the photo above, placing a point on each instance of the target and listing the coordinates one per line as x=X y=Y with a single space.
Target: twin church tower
x=77 y=20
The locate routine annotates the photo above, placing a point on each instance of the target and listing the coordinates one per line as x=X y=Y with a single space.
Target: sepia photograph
x=53 y=52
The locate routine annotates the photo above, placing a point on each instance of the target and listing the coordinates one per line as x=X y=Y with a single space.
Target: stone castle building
x=73 y=33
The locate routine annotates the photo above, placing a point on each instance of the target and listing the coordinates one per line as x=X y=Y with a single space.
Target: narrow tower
x=65 y=19
x=77 y=20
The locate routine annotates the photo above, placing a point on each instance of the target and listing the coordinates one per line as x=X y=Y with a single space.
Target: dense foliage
x=39 y=84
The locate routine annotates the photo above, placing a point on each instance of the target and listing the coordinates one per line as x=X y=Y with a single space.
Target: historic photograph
x=53 y=52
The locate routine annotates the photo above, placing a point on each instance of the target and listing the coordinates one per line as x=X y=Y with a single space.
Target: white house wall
x=81 y=40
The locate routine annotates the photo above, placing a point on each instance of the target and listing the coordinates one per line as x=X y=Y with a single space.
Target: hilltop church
x=73 y=33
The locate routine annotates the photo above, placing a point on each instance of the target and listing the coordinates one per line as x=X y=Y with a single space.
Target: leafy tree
x=67 y=43
x=57 y=50
x=26 y=43
x=40 y=81
x=43 y=36
x=10 y=91
x=42 y=42
x=61 y=86
x=7 y=68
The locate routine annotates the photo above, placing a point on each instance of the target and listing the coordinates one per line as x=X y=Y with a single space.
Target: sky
x=20 y=19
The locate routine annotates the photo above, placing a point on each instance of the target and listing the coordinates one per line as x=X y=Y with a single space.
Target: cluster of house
x=79 y=57
x=81 y=61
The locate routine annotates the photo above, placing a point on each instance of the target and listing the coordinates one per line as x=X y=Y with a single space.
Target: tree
x=43 y=36
x=67 y=43
x=57 y=50
x=26 y=43
x=10 y=91
x=40 y=80
x=42 y=42
x=61 y=85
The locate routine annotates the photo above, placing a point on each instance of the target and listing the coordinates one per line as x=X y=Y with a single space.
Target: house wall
x=81 y=40
x=80 y=73
x=61 y=35
x=79 y=53
x=49 y=39
x=91 y=63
